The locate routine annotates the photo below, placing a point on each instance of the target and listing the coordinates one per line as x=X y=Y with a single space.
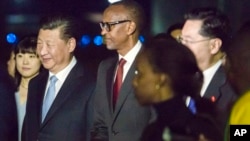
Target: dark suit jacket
x=220 y=89
x=69 y=118
x=8 y=111
x=127 y=121
x=174 y=119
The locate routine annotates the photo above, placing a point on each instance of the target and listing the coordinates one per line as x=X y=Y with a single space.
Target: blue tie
x=191 y=106
x=50 y=96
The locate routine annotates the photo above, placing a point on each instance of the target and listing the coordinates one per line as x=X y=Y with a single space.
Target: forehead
x=115 y=12
x=191 y=27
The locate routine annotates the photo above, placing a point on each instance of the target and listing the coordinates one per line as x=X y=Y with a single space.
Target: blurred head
x=175 y=30
x=56 y=42
x=121 y=25
x=166 y=69
x=206 y=32
x=238 y=60
x=11 y=64
x=27 y=62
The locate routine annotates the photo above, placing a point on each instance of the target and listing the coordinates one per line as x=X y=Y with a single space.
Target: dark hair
x=174 y=27
x=136 y=12
x=5 y=53
x=169 y=57
x=67 y=24
x=179 y=63
x=215 y=23
x=162 y=35
x=25 y=45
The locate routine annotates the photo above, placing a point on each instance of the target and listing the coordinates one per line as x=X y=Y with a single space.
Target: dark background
x=22 y=16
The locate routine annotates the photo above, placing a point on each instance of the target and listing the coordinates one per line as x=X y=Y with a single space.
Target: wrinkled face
x=117 y=37
x=11 y=64
x=27 y=64
x=198 y=44
x=145 y=82
x=54 y=52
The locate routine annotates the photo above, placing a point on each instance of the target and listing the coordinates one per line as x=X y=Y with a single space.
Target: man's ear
x=215 y=45
x=131 y=28
x=71 y=44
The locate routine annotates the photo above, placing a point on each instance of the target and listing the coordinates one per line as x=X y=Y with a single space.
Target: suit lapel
x=213 y=89
x=110 y=78
x=41 y=87
x=126 y=90
x=68 y=87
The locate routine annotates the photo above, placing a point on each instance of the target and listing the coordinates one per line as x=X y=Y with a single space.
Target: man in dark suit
x=8 y=112
x=119 y=118
x=69 y=116
x=206 y=33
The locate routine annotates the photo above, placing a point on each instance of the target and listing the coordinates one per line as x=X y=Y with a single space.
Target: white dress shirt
x=130 y=57
x=61 y=76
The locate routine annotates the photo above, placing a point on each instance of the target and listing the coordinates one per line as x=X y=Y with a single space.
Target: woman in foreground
x=166 y=75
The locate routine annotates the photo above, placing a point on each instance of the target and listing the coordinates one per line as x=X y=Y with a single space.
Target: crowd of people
x=187 y=84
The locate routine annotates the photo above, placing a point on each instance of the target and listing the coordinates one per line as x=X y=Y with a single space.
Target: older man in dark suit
x=59 y=100
x=206 y=33
x=118 y=116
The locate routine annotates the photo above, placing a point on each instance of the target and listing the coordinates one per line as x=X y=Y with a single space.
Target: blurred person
x=117 y=114
x=59 y=99
x=8 y=112
x=238 y=63
x=11 y=64
x=206 y=32
x=166 y=73
x=28 y=65
x=175 y=30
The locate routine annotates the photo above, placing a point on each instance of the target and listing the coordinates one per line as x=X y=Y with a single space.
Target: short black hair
x=68 y=25
x=136 y=12
x=26 y=45
x=215 y=23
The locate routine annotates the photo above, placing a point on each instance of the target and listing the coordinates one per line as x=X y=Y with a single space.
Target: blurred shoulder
x=240 y=113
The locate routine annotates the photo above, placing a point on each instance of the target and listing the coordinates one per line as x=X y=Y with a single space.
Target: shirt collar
x=211 y=71
x=130 y=56
x=208 y=74
x=61 y=75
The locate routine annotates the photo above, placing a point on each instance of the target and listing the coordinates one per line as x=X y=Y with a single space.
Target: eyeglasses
x=184 y=41
x=107 y=25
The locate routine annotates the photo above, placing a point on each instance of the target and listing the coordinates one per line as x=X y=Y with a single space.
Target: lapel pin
x=213 y=99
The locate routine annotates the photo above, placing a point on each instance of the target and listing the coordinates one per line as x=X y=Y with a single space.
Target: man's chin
x=110 y=47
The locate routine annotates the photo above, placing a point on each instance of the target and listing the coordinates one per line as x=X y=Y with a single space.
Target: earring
x=157 y=86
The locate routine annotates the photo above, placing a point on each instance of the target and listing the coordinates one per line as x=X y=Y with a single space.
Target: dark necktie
x=50 y=96
x=118 y=81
